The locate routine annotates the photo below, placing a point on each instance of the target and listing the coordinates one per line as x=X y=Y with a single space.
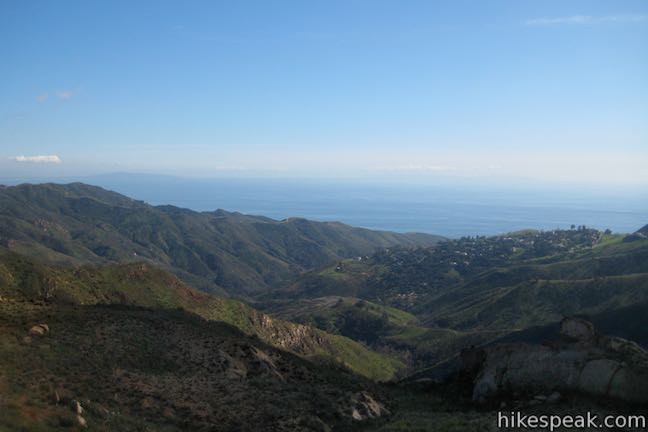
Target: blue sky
x=548 y=90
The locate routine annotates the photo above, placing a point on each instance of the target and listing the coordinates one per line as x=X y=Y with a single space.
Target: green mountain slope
x=474 y=290
x=135 y=369
x=383 y=328
x=533 y=293
x=140 y=284
x=405 y=277
x=215 y=251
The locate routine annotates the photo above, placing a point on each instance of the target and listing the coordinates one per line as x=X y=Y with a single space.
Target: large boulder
x=629 y=384
x=508 y=368
x=596 y=375
x=582 y=361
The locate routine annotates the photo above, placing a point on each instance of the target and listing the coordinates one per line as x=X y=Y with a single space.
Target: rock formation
x=581 y=361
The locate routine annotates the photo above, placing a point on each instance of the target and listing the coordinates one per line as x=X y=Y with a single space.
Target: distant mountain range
x=219 y=252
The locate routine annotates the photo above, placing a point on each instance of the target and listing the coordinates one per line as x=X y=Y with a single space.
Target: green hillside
x=470 y=291
x=335 y=312
x=383 y=328
x=405 y=277
x=140 y=284
x=139 y=369
x=536 y=292
x=221 y=252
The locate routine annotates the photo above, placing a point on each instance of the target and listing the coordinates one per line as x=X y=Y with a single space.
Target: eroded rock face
x=297 y=338
x=583 y=361
x=364 y=407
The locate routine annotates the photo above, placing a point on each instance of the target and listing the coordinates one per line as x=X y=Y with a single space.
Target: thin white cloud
x=416 y=167
x=38 y=159
x=42 y=97
x=65 y=94
x=586 y=19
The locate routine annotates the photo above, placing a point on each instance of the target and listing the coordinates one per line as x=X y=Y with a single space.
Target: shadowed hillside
x=132 y=369
x=143 y=285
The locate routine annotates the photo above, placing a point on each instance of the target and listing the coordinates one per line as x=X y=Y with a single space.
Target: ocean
x=448 y=208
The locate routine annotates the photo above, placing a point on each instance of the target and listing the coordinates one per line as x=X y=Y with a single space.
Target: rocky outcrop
x=244 y=360
x=297 y=338
x=364 y=407
x=39 y=330
x=581 y=361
